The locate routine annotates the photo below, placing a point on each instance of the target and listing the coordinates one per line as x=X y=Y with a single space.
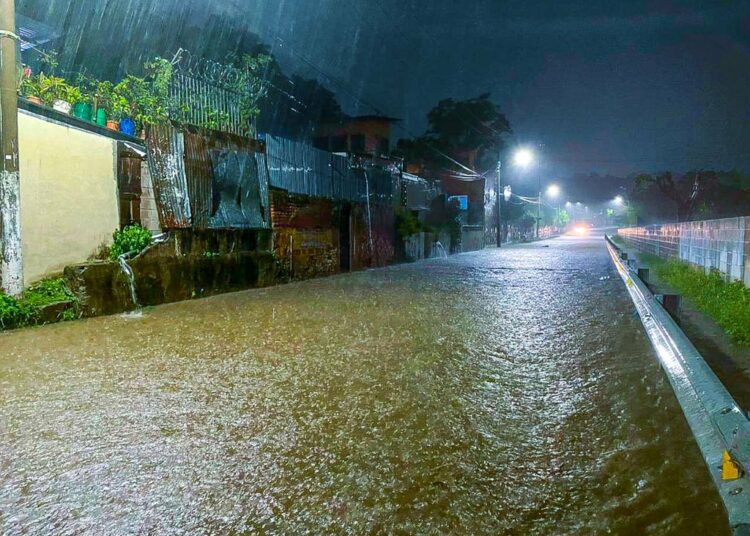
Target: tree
x=470 y=131
x=689 y=192
x=562 y=218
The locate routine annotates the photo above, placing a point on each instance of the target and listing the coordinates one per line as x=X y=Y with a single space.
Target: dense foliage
x=132 y=239
x=727 y=303
x=407 y=224
x=696 y=195
x=472 y=132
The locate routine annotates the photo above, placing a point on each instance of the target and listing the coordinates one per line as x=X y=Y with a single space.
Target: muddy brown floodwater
x=498 y=392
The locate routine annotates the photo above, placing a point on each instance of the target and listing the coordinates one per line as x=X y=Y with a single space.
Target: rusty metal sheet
x=226 y=188
x=199 y=174
x=165 y=150
x=208 y=179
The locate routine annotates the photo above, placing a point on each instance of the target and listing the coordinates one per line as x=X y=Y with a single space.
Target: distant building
x=363 y=135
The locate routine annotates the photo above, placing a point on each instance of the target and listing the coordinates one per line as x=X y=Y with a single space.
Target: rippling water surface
x=507 y=392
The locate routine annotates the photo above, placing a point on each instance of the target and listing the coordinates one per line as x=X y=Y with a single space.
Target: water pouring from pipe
x=123 y=259
x=440 y=249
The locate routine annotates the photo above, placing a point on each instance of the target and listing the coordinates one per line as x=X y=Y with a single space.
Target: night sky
x=605 y=87
x=598 y=86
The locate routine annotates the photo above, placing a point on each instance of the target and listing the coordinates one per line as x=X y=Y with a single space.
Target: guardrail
x=720 y=428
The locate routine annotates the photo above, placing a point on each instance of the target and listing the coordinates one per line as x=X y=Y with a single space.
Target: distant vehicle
x=580 y=228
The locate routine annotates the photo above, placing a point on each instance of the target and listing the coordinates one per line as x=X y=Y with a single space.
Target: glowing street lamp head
x=553 y=190
x=619 y=200
x=523 y=157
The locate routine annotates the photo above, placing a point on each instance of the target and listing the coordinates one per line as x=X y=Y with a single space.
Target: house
x=368 y=135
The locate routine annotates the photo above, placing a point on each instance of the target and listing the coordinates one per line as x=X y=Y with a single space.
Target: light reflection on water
x=489 y=393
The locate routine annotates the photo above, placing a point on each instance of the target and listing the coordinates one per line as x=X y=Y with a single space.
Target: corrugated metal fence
x=302 y=169
x=209 y=179
x=206 y=179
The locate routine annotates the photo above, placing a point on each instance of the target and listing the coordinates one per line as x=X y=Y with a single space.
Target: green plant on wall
x=104 y=96
x=28 y=86
x=132 y=239
x=160 y=73
x=253 y=88
x=136 y=92
x=148 y=97
x=217 y=120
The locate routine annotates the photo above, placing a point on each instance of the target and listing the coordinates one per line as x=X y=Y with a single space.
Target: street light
x=619 y=200
x=523 y=157
x=553 y=190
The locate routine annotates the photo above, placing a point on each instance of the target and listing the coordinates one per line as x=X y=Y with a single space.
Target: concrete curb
x=717 y=422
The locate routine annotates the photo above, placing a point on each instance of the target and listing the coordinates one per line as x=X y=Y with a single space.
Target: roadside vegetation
x=727 y=303
x=27 y=310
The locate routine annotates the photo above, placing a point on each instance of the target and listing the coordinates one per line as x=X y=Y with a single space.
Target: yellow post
x=730 y=469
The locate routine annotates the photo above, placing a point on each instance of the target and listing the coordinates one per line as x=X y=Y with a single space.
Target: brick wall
x=722 y=245
x=306 y=237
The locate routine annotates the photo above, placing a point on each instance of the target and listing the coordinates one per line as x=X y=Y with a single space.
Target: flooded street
x=497 y=392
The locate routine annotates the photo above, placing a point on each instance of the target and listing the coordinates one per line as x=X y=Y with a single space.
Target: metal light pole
x=539 y=207
x=498 y=223
x=11 y=260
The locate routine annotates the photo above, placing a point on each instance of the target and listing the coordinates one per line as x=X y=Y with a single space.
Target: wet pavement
x=497 y=392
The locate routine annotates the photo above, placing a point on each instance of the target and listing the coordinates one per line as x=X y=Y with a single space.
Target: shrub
x=13 y=313
x=24 y=311
x=132 y=239
x=407 y=224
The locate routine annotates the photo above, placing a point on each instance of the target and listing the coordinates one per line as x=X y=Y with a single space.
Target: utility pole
x=498 y=223
x=11 y=260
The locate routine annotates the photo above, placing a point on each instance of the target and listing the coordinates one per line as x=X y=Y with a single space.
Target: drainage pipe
x=720 y=428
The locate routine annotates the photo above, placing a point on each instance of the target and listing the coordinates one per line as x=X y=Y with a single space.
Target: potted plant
x=136 y=92
x=120 y=108
x=103 y=92
x=57 y=93
x=83 y=108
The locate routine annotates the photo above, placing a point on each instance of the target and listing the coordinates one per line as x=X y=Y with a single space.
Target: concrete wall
x=472 y=238
x=69 y=200
x=425 y=246
x=414 y=246
x=722 y=245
